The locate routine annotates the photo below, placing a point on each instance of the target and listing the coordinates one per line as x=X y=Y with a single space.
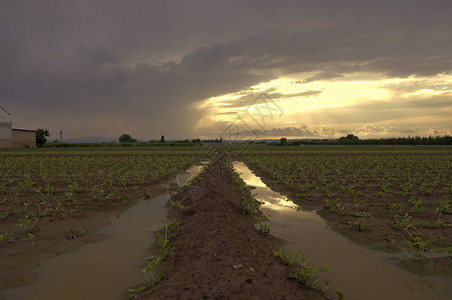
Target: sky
x=237 y=69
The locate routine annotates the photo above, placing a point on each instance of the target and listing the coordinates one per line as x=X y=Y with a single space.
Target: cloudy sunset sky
x=187 y=69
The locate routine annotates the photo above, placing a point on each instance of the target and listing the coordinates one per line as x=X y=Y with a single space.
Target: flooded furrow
x=360 y=272
x=105 y=269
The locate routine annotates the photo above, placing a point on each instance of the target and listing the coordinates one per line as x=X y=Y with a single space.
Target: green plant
x=170 y=228
x=75 y=233
x=444 y=206
x=97 y=193
x=249 y=203
x=447 y=250
x=359 y=224
x=28 y=226
x=426 y=189
x=3 y=236
x=359 y=203
x=289 y=259
x=417 y=205
x=177 y=204
x=340 y=294
x=405 y=189
x=342 y=210
x=303 y=272
x=361 y=214
x=333 y=204
x=148 y=194
x=391 y=239
x=403 y=225
x=264 y=228
x=418 y=249
x=114 y=195
x=152 y=277
x=328 y=193
x=30 y=237
x=396 y=209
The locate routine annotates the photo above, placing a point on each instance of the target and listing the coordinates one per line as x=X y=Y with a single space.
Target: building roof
x=5 y=110
x=23 y=129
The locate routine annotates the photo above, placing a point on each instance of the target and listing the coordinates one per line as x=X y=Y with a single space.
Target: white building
x=6 y=134
x=14 y=137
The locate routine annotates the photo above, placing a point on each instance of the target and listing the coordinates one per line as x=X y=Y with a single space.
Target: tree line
x=354 y=140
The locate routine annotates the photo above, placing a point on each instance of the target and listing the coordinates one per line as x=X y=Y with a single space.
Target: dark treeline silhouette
x=214 y=141
x=354 y=140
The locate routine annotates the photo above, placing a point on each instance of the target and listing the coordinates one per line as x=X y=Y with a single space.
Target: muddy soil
x=18 y=256
x=379 y=234
x=218 y=253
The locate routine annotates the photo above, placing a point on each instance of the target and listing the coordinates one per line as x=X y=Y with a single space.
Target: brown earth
x=218 y=253
x=18 y=256
x=379 y=233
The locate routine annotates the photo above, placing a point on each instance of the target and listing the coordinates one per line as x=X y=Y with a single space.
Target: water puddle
x=361 y=273
x=105 y=269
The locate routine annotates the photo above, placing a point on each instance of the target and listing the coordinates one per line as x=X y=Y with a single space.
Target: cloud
x=323 y=76
x=108 y=67
x=281 y=96
x=325 y=132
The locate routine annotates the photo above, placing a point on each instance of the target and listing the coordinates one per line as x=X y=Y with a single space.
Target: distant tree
x=283 y=141
x=126 y=138
x=162 y=139
x=41 y=135
x=349 y=139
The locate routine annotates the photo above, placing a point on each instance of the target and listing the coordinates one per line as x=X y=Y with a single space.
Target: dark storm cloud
x=141 y=64
x=248 y=98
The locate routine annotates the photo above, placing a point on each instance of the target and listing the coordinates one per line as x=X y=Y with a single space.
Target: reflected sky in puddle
x=361 y=273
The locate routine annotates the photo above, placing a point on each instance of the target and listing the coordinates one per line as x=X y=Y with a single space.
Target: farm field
x=387 y=198
x=395 y=199
x=52 y=201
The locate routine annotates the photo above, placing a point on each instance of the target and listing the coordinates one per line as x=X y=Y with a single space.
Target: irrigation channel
x=361 y=273
x=108 y=268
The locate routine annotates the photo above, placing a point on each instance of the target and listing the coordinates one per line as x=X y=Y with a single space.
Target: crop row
x=410 y=194
x=32 y=187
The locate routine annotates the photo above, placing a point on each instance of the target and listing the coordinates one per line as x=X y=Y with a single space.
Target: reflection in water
x=361 y=273
x=106 y=269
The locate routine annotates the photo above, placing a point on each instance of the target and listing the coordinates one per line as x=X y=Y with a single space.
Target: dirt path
x=218 y=253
